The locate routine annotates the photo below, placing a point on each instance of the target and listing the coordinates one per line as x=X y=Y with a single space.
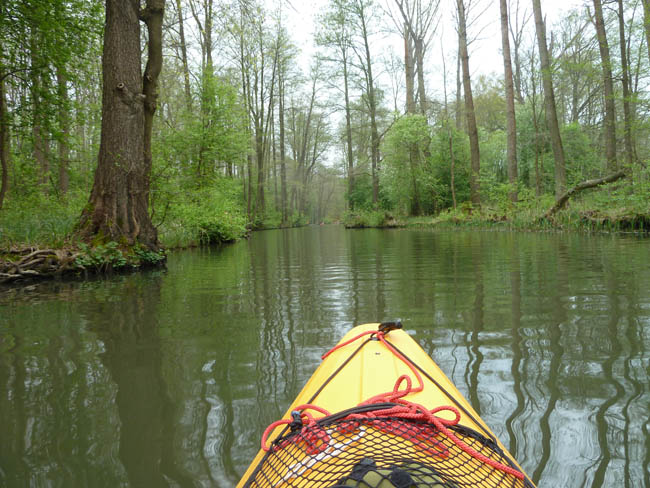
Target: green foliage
x=213 y=213
x=441 y=162
x=39 y=220
x=101 y=257
x=582 y=156
x=148 y=257
x=366 y=218
x=408 y=167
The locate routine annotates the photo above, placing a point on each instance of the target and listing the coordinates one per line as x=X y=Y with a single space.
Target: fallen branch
x=562 y=201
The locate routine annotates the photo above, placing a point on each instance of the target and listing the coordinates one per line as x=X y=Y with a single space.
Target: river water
x=168 y=378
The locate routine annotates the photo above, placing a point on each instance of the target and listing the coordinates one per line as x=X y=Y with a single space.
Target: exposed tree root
x=27 y=263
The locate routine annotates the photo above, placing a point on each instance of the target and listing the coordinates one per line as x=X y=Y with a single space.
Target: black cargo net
x=368 y=451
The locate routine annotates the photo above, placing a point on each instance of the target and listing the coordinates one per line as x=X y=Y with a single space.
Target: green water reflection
x=169 y=378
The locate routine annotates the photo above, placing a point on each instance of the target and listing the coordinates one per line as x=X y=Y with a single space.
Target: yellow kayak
x=379 y=413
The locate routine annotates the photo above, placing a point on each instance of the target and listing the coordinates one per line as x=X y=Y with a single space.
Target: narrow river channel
x=168 y=378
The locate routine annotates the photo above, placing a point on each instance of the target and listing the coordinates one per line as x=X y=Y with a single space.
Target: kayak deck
x=378 y=412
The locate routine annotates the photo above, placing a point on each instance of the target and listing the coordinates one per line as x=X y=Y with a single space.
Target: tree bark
x=646 y=23
x=470 y=114
x=409 y=71
x=419 y=59
x=118 y=206
x=459 y=123
x=64 y=126
x=510 y=102
x=40 y=146
x=372 y=103
x=549 y=99
x=4 y=142
x=348 y=132
x=609 y=119
x=630 y=151
x=283 y=152
x=562 y=201
x=186 y=70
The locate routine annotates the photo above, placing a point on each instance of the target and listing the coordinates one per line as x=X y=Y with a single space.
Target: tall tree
x=470 y=114
x=183 y=48
x=630 y=152
x=517 y=30
x=118 y=208
x=609 y=119
x=510 y=102
x=646 y=23
x=4 y=140
x=419 y=24
x=361 y=12
x=336 y=35
x=549 y=100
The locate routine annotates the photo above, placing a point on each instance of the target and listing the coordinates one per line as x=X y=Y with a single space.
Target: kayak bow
x=379 y=413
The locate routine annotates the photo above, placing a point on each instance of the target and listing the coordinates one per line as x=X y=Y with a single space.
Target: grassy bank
x=607 y=211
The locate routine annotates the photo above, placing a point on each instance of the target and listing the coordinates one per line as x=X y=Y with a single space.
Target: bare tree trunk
x=348 y=133
x=283 y=153
x=449 y=134
x=4 y=142
x=609 y=120
x=419 y=59
x=372 y=103
x=630 y=151
x=40 y=146
x=186 y=70
x=118 y=205
x=64 y=125
x=517 y=33
x=410 y=72
x=646 y=23
x=549 y=99
x=510 y=102
x=470 y=115
x=533 y=103
x=459 y=124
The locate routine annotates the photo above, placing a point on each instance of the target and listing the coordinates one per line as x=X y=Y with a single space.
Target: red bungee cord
x=317 y=439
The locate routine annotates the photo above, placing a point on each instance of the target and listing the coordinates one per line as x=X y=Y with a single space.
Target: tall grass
x=40 y=220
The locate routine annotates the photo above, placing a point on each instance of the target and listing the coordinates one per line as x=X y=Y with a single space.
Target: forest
x=241 y=126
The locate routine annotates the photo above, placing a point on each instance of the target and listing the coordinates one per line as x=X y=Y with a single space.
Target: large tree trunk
x=510 y=102
x=549 y=99
x=4 y=142
x=609 y=120
x=630 y=151
x=119 y=202
x=470 y=114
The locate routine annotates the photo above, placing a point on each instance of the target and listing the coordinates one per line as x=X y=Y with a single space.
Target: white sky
x=485 y=52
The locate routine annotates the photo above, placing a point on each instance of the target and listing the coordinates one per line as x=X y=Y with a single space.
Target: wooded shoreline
x=207 y=122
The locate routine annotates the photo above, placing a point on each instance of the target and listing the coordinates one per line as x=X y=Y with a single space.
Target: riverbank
x=37 y=235
x=583 y=217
